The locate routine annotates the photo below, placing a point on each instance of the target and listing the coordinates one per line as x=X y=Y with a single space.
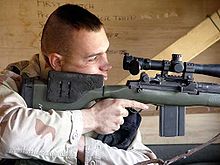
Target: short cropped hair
x=59 y=27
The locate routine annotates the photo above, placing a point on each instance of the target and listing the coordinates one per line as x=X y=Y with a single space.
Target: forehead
x=86 y=42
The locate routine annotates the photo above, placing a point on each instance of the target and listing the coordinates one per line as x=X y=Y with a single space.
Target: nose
x=105 y=66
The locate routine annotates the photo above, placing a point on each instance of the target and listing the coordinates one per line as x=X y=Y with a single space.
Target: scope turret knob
x=176 y=57
x=176 y=63
x=178 y=67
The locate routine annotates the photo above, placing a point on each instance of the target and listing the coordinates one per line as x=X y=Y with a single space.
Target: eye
x=91 y=59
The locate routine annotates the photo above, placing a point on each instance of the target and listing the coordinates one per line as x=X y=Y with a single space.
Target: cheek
x=92 y=69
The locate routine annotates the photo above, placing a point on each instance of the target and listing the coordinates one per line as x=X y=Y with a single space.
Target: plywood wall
x=142 y=27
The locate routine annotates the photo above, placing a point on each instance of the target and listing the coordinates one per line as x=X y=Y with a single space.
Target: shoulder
x=10 y=80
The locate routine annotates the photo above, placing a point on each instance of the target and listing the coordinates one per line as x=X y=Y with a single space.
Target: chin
x=105 y=78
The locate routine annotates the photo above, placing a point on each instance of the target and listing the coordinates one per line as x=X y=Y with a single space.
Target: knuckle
x=122 y=121
x=117 y=127
x=126 y=113
x=116 y=102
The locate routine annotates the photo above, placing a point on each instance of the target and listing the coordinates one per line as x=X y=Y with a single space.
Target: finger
x=134 y=104
x=117 y=127
x=121 y=121
x=124 y=112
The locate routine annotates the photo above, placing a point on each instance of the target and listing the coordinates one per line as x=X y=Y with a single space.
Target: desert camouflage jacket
x=51 y=136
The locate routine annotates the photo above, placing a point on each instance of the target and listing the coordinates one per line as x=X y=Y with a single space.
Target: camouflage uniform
x=51 y=136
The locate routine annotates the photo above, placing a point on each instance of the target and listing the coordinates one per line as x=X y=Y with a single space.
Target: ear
x=55 y=61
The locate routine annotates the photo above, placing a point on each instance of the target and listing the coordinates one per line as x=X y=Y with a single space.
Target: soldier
x=73 y=40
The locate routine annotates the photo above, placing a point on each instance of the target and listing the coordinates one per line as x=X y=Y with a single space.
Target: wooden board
x=199 y=129
x=143 y=28
x=190 y=45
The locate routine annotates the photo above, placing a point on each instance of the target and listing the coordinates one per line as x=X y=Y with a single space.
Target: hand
x=107 y=115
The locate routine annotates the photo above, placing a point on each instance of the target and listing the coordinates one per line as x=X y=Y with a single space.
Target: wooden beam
x=199 y=129
x=189 y=110
x=190 y=45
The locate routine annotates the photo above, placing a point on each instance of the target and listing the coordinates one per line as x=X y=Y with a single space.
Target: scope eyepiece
x=132 y=64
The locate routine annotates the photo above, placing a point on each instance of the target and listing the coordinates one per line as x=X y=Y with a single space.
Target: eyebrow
x=97 y=54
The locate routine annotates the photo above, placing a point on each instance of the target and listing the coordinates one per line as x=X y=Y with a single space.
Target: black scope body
x=135 y=64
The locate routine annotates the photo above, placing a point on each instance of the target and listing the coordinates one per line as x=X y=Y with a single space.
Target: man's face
x=89 y=53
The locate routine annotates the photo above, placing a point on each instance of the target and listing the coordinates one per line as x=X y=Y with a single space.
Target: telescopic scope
x=135 y=64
